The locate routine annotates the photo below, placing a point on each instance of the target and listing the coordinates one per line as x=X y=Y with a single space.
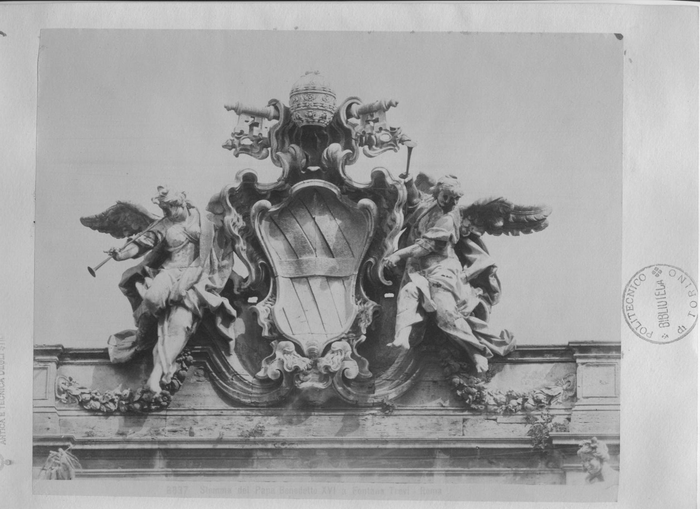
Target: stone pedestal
x=597 y=408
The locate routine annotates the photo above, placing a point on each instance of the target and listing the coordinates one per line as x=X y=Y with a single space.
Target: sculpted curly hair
x=450 y=185
x=593 y=449
x=167 y=197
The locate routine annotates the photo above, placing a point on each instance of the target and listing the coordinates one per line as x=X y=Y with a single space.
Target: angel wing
x=121 y=220
x=500 y=216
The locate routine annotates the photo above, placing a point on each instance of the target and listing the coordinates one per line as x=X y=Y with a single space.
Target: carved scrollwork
x=389 y=195
x=312 y=101
x=342 y=129
x=394 y=382
x=381 y=139
x=372 y=132
x=315 y=374
x=335 y=158
x=264 y=313
x=253 y=143
x=327 y=373
x=284 y=359
x=251 y=134
x=366 y=311
x=338 y=360
x=293 y=161
x=234 y=204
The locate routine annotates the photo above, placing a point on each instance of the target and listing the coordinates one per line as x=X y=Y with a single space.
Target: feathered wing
x=501 y=217
x=122 y=219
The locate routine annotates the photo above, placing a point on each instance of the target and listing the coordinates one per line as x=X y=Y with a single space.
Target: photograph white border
x=658 y=461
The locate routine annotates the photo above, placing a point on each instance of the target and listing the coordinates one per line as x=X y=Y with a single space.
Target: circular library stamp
x=660 y=303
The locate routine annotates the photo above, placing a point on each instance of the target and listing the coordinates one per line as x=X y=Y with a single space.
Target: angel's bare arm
x=130 y=251
x=138 y=248
x=415 y=251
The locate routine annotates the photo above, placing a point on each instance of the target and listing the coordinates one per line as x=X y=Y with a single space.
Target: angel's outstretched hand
x=392 y=260
x=124 y=253
x=113 y=252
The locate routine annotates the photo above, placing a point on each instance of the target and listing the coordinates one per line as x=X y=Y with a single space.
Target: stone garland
x=141 y=400
x=540 y=429
x=477 y=397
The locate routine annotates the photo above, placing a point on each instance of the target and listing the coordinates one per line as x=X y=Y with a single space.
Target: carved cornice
x=612 y=440
x=282 y=443
x=366 y=474
x=48 y=353
x=522 y=355
x=81 y=356
x=536 y=354
x=612 y=350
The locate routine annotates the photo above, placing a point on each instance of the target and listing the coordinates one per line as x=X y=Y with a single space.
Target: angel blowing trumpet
x=118 y=253
x=187 y=262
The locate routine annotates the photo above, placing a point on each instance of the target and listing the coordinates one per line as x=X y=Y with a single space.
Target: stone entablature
x=425 y=434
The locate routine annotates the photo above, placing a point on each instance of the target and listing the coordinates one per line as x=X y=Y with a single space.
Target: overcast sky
x=536 y=118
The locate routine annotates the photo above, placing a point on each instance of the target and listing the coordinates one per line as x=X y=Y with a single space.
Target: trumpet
x=93 y=270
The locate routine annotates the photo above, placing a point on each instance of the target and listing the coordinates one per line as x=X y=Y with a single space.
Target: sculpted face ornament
x=594 y=457
x=172 y=203
x=447 y=192
x=592 y=465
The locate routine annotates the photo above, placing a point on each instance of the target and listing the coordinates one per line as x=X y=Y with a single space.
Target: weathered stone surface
x=595 y=421
x=526 y=377
x=425 y=435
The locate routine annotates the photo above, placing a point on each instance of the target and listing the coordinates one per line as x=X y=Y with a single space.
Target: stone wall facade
x=426 y=435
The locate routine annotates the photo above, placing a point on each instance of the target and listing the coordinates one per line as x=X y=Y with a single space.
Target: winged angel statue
x=188 y=261
x=448 y=273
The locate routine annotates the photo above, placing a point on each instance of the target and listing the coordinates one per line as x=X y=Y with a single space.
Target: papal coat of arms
x=347 y=280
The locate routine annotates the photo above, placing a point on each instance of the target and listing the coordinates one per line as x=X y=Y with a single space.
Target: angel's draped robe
x=187 y=262
x=433 y=283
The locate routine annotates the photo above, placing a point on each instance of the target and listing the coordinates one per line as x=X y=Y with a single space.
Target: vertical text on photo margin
x=3 y=434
